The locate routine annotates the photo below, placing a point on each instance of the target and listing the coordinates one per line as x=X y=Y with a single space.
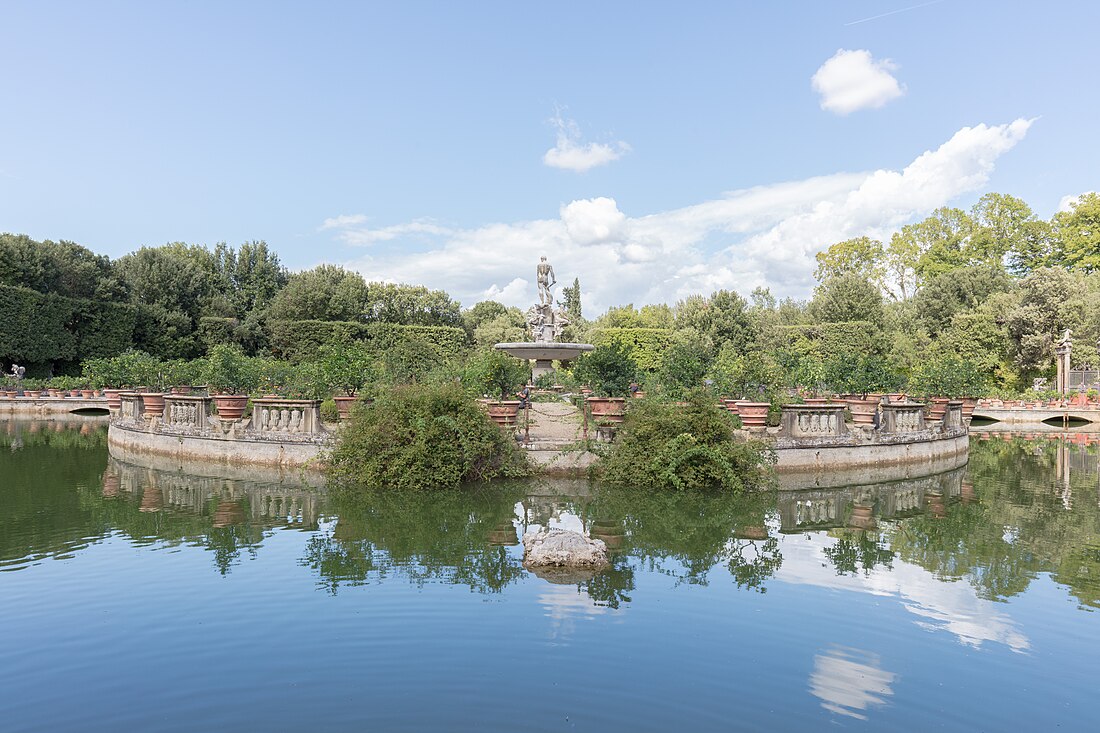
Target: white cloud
x=344 y=220
x=1067 y=202
x=762 y=236
x=517 y=291
x=351 y=233
x=853 y=80
x=592 y=221
x=572 y=154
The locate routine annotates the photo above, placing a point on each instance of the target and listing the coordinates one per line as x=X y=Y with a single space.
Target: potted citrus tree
x=344 y=369
x=228 y=374
x=491 y=372
x=609 y=370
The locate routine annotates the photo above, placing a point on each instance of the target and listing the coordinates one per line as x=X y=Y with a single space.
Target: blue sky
x=411 y=140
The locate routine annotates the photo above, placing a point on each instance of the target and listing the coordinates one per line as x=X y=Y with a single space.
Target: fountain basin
x=544 y=353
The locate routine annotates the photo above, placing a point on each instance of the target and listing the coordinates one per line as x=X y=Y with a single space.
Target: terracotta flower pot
x=343 y=405
x=114 y=398
x=232 y=406
x=969 y=403
x=753 y=414
x=502 y=412
x=87 y=393
x=153 y=403
x=730 y=405
x=937 y=408
x=607 y=409
x=863 y=411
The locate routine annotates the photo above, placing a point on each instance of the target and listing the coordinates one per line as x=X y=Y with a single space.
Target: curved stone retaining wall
x=32 y=407
x=287 y=434
x=814 y=446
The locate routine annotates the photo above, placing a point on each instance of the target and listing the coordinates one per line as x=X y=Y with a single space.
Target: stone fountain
x=546 y=325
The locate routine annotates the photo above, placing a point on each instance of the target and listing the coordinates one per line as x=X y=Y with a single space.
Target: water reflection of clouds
x=940 y=605
x=564 y=605
x=848 y=681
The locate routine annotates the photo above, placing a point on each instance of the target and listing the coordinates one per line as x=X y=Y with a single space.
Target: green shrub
x=329 y=411
x=608 y=370
x=492 y=372
x=418 y=437
x=664 y=445
x=228 y=370
x=344 y=366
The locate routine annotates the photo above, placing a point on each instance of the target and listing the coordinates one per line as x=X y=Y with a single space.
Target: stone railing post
x=131 y=407
x=294 y=417
x=186 y=412
x=953 y=418
x=900 y=418
x=812 y=421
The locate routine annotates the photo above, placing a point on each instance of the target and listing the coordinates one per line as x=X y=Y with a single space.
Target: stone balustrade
x=131 y=407
x=294 y=417
x=187 y=412
x=813 y=421
x=279 y=432
x=953 y=417
x=899 y=418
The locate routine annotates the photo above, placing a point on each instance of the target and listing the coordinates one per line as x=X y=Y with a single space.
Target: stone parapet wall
x=280 y=433
x=815 y=447
x=32 y=407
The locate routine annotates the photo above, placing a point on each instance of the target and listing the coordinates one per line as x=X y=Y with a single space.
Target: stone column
x=1062 y=354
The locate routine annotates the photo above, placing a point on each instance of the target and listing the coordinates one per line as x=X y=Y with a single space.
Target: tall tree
x=722 y=317
x=1077 y=234
x=324 y=293
x=1005 y=228
x=861 y=256
x=571 y=301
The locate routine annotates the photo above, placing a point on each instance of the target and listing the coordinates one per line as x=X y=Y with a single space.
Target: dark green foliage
x=721 y=317
x=448 y=340
x=571 y=301
x=847 y=298
x=608 y=370
x=692 y=446
x=301 y=340
x=959 y=290
x=643 y=345
x=860 y=374
x=421 y=437
x=214 y=330
x=684 y=364
x=493 y=373
x=825 y=339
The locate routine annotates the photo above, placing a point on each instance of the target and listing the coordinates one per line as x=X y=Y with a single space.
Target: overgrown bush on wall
x=663 y=445
x=419 y=437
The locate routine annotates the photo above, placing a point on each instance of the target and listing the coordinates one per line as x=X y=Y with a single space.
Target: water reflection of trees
x=62 y=493
x=686 y=534
x=1029 y=506
x=454 y=537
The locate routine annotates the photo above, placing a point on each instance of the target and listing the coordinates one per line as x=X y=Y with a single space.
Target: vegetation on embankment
x=684 y=446
x=417 y=437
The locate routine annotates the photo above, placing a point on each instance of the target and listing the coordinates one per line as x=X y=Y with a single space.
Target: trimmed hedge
x=644 y=345
x=824 y=340
x=300 y=340
x=43 y=329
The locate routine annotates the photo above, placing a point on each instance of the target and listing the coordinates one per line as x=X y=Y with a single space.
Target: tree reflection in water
x=1021 y=508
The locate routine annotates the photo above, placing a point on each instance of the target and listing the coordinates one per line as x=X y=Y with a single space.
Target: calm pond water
x=137 y=599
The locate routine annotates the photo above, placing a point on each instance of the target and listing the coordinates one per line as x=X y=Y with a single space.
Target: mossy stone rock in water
x=563 y=548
